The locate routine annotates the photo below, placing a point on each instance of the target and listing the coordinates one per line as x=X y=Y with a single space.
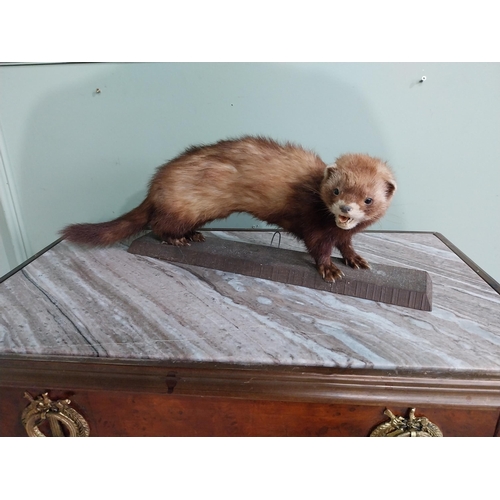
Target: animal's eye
x=336 y=192
x=368 y=201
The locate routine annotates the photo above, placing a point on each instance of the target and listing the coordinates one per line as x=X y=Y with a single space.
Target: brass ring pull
x=59 y=415
x=406 y=427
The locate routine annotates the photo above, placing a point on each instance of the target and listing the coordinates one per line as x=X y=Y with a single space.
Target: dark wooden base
x=391 y=285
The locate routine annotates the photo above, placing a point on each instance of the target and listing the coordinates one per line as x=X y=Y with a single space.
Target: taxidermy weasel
x=283 y=184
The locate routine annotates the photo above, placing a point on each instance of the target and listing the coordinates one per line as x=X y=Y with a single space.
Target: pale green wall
x=77 y=155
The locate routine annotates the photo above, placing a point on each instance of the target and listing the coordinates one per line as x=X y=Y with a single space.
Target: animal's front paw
x=330 y=272
x=357 y=262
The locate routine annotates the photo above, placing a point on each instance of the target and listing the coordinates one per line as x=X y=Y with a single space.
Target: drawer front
x=137 y=414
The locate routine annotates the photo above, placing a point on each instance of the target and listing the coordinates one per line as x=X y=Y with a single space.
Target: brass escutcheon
x=59 y=415
x=406 y=427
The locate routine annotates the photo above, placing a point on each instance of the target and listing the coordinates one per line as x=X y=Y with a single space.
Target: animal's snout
x=346 y=208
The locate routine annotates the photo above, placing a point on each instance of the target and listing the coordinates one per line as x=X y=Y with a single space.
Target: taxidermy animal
x=283 y=184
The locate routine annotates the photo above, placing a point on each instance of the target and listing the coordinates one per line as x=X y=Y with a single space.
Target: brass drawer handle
x=58 y=413
x=406 y=427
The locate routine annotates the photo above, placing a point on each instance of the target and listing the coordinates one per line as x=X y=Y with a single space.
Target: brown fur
x=281 y=184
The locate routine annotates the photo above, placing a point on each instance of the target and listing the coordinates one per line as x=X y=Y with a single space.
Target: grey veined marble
x=109 y=303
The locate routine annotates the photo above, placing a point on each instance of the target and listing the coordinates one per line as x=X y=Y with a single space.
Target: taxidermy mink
x=283 y=184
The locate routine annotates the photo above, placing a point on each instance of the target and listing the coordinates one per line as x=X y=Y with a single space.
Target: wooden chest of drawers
x=142 y=347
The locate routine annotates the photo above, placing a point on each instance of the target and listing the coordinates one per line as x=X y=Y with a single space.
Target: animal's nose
x=345 y=208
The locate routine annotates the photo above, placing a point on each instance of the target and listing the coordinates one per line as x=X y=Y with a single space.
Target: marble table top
x=108 y=303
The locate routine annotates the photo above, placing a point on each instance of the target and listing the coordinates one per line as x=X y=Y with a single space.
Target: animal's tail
x=106 y=233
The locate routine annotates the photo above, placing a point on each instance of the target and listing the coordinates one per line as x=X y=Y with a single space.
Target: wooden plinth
x=392 y=285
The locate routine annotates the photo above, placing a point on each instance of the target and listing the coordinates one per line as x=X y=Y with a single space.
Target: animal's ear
x=330 y=170
x=390 y=188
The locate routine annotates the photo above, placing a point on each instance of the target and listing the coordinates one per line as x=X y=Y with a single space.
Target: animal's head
x=357 y=189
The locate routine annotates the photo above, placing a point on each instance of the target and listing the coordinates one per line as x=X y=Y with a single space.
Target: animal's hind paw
x=183 y=241
x=176 y=242
x=196 y=236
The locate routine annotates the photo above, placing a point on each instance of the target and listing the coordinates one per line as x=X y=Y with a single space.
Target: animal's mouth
x=345 y=222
